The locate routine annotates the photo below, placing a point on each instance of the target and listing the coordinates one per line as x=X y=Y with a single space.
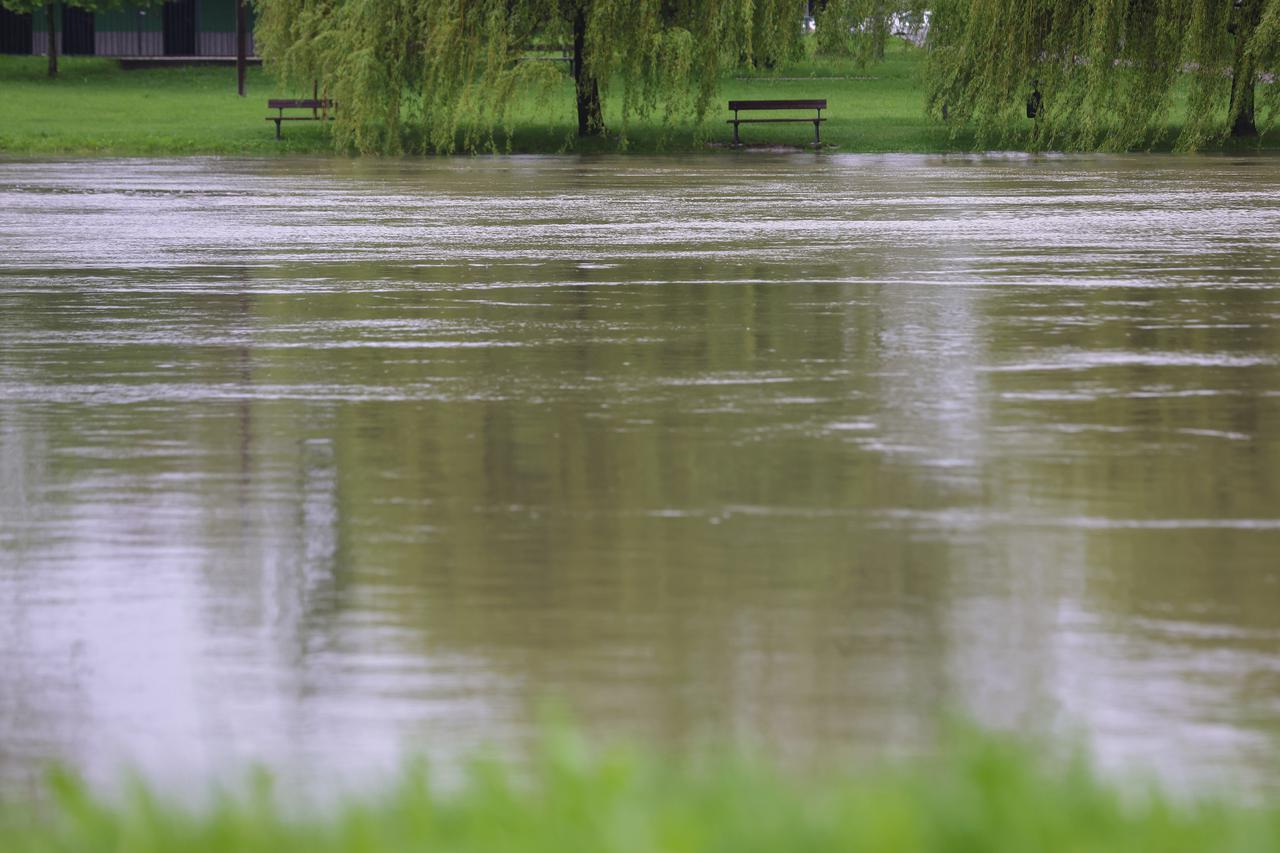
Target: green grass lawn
x=876 y=109
x=985 y=793
x=96 y=108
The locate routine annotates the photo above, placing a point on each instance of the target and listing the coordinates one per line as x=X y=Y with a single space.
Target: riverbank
x=987 y=793
x=96 y=108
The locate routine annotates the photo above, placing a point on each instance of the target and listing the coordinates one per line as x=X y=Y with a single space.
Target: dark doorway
x=180 y=28
x=77 y=32
x=15 y=32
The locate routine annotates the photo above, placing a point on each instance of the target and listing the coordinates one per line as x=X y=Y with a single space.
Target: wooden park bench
x=745 y=106
x=321 y=110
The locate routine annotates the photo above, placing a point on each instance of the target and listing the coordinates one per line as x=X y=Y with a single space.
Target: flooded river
x=314 y=463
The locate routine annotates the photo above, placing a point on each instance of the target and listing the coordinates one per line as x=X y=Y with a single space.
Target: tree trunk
x=590 y=118
x=241 y=59
x=1244 y=73
x=52 y=49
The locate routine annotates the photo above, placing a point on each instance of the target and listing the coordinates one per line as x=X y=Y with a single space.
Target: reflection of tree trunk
x=1244 y=72
x=52 y=49
x=590 y=119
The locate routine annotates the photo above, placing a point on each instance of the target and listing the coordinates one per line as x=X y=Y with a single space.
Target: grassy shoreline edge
x=97 y=109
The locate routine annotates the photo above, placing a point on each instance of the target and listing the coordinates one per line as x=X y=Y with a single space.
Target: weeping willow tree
x=861 y=29
x=1107 y=73
x=438 y=75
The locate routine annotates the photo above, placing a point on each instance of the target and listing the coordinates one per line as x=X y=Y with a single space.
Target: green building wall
x=139 y=30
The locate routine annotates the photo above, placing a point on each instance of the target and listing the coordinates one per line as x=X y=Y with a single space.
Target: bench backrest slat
x=778 y=105
x=305 y=103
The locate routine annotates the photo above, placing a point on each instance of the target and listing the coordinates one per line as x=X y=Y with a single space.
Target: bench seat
x=321 y=110
x=818 y=105
x=767 y=120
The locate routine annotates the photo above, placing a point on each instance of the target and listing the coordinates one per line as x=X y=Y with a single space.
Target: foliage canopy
x=23 y=6
x=861 y=28
x=441 y=75
x=1110 y=73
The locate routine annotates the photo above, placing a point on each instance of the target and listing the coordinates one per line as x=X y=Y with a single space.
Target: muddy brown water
x=314 y=463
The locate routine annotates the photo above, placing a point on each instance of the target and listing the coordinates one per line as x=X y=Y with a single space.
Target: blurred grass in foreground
x=985 y=793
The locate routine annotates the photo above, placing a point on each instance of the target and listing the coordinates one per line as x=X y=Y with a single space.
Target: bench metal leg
x=277 y=121
x=817 y=139
x=735 y=134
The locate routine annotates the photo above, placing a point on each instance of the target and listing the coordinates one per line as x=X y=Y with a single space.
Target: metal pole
x=240 y=47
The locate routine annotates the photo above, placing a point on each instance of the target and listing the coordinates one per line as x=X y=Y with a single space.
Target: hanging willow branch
x=1111 y=73
x=444 y=75
x=861 y=29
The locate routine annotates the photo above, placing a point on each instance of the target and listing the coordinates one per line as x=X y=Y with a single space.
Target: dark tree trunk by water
x=590 y=119
x=52 y=48
x=1244 y=72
